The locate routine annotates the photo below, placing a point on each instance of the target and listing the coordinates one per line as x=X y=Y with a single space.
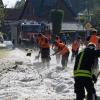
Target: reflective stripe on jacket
x=79 y=72
x=84 y=73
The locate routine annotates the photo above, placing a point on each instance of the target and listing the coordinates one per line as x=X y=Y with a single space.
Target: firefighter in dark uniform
x=83 y=76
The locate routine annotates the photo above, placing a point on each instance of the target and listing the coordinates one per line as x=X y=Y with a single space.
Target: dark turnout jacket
x=85 y=60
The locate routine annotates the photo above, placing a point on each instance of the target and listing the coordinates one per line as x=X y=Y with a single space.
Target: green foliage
x=96 y=18
x=96 y=3
x=56 y=18
x=19 y=4
x=1 y=33
x=2 y=14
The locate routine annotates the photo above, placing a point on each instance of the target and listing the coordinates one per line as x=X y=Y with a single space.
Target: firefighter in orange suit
x=63 y=50
x=55 y=48
x=94 y=38
x=44 y=48
x=58 y=40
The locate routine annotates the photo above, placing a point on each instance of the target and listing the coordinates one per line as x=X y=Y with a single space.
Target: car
x=8 y=44
x=2 y=45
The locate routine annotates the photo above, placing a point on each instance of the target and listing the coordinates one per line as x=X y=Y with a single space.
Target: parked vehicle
x=28 y=30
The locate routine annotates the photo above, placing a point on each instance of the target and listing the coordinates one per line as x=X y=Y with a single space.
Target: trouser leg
x=72 y=56
x=79 y=89
x=91 y=96
x=58 y=58
x=64 y=60
x=79 y=97
x=91 y=93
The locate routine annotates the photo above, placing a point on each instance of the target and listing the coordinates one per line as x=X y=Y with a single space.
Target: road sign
x=88 y=25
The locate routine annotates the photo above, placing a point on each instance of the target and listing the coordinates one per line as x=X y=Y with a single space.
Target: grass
x=3 y=53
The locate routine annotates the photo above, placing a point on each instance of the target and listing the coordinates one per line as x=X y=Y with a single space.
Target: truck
x=28 y=30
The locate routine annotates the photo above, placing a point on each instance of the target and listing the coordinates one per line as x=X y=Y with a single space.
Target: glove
x=94 y=78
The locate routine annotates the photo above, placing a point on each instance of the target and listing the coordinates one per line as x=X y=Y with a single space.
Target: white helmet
x=91 y=45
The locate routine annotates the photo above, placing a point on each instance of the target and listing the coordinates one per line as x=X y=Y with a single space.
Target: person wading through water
x=44 y=49
x=63 y=50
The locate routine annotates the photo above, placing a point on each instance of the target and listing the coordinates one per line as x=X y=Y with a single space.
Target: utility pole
x=88 y=4
x=87 y=10
x=88 y=16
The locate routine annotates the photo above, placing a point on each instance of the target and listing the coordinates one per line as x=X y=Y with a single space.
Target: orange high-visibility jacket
x=63 y=48
x=94 y=39
x=43 y=42
x=75 y=45
x=58 y=40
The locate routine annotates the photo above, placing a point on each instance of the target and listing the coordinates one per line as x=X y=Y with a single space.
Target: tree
x=20 y=4
x=96 y=3
x=2 y=14
x=96 y=18
x=56 y=18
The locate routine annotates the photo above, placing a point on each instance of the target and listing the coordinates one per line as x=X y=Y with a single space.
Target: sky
x=9 y=3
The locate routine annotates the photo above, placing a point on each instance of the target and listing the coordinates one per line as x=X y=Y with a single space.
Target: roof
x=71 y=27
x=42 y=8
x=39 y=8
x=12 y=14
x=28 y=11
x=41 y=5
